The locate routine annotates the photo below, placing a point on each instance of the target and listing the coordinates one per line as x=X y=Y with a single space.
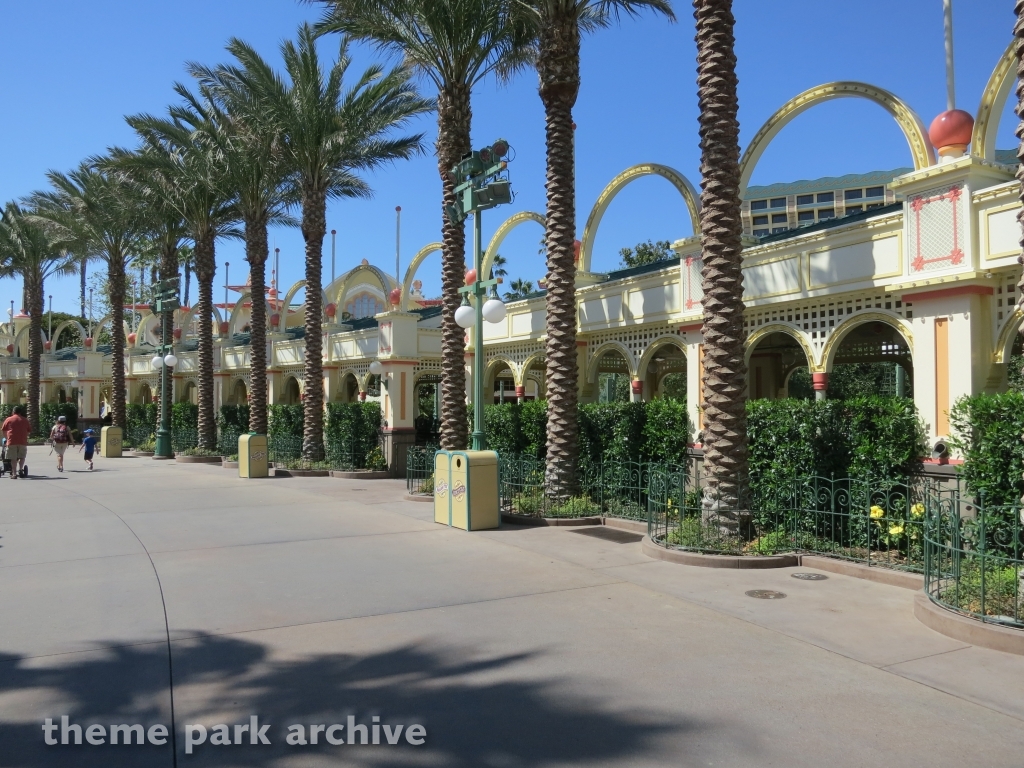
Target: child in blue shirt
x=89 y=444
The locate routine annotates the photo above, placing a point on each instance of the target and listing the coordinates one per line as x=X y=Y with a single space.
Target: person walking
x=89 y=446
x=16 y=429
x=60 y=439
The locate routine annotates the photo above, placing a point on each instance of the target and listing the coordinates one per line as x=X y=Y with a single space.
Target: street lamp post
x=481 y=184
x=165 y=300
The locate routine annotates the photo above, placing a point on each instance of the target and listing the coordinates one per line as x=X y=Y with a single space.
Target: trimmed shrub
x=987 y=433
x=48 y=413
x=353 y=427
x=139 y=416
x=184 y=417
x=285 y=420
x=234 y=418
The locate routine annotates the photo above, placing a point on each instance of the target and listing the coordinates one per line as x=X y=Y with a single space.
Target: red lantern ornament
x=131 y=338
x=331 y=310
x=395 y=296
x=223 y=329
x=470 y=276
x=275 y=320
x=88 y=342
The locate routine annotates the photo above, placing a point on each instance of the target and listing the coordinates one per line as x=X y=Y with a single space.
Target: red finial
x=951 y=131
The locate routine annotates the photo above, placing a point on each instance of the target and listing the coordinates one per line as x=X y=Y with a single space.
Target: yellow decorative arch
x=680 y=182
x=993 y=99
x=410 y=273
x=608 y=346
x=150 y=324
x=524 y=369
x=913 y=129
x=358 y=276
x=66 y=324
x=503 y=231
x=767 y=330
x=844 y=328
x=494 y=365
x=186 y=318
x=662 y=341
x=1006 y=337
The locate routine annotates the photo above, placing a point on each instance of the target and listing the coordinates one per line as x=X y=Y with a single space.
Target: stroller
x=5 y=463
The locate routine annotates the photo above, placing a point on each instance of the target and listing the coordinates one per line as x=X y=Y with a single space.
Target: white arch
x=993 y=99
x=604 y=348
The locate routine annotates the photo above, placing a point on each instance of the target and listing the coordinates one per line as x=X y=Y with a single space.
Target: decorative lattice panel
x=936 y=229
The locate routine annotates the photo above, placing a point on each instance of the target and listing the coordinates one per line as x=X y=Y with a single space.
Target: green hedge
x=234 y=418
x=48 y=413
x=184 y=418
x=285 y=420
x=140 y=416
x=353 y=427
x=987 y=432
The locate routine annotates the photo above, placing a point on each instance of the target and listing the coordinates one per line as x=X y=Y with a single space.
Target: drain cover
x=765 y=594
x=809 y=576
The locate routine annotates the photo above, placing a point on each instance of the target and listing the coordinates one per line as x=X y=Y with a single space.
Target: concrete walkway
x=304 y=601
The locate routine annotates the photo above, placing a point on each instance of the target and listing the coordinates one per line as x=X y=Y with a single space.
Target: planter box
x=363 y=474
x=300 y=472
x=228 y=464
x=198 y=459
x=419 y=497
x=753 y=562
x=512 y=519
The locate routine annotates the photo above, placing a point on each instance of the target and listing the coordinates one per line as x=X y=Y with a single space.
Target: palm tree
x=520 y=289
x=559 y=25
x=256 y=176
x=498 y=268
x=29 y=248
x=194 y=168
x=725 y=370
x=100 y=210
x=330 y=134
x=455 y=44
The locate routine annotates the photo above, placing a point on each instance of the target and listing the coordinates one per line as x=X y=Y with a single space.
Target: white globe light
x=494 y=311
x=376 y=368
x=465 y=316
x=157 y=361
x=171 y=361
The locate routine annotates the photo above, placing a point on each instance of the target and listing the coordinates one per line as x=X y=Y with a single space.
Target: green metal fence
x=974 y=559
x=419 y=469
x=227 y=442
x=184 y=440
x=138 y=437
x=285 y=452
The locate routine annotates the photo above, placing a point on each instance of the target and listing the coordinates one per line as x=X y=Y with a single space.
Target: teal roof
x=1006 y=156
x=825 y=184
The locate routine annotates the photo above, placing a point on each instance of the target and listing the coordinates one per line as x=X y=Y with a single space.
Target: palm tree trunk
x=725 y=370
x=256 y=252
x=558 y=65
x=314 y=227
x=188 y=279
x=206 y=268
x=34 y=300
x=168 y=270
x=454 y=118
x=1018 y=34
x=115 y=281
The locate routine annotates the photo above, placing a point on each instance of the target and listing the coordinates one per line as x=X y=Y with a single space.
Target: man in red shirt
x=16 y=429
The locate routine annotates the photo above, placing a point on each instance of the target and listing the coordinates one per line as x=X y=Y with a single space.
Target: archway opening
x=348 y=392
x=291 y=394
x=239 y=394
x=501 y=383
x=772 y=370
x=534 y=379
x=189 y=393
x=613 y=377
x=666 y=374
x=872 y=359
x=1015 y=364
x=144 y=395
x=428 y=409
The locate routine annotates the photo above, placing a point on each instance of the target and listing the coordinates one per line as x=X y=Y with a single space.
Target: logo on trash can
x=458 y=491
x=257 y=455
x=441 y=488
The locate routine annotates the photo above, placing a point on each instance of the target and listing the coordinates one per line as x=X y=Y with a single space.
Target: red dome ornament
x=177 y=333
x=275 y=319
x=395 y=296
x=131 y=338
x=10 y=349
x=88 y=342
x=951 y=131
x=223 y=328
x=470 y=276
x=331 y=310
x=47 y=345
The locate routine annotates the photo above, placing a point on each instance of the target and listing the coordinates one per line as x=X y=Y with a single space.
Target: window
x=778 y=202
x=805 y=216
x=874 y=192
x=758 y=205
x=760 y=220
x=853 y=194
x=776 y=230
x=875 y=205
x=805 y=199
x=826 y=197
x=760 y=232
x=780 y=218
x=854 y=209
x=826 y=213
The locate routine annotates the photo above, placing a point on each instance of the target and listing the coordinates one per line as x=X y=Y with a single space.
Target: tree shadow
x=478 y=710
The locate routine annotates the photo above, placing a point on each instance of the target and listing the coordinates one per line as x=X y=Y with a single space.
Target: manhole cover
x=809 y=576
x=765 y=594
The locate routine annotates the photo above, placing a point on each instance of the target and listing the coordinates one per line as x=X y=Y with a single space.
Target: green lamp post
x=482 y=183
x=165 y=295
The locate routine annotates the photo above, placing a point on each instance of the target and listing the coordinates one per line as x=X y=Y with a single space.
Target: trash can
x=110 y=442
x=252 y=456
x=470 y=499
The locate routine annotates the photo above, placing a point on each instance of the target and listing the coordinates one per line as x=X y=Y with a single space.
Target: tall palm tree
x=257 y=173
x=100 y=210
x=330 y=135
x=29 y=248
x=725 y=370
x=455 y=44
x=195 y=168
x=559 y=26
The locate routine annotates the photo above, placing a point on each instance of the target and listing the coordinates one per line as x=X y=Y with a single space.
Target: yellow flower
x=917 y=510
x=877 y=512
x=895 y=530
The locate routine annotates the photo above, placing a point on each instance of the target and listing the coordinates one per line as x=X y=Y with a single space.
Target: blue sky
x=71 y=70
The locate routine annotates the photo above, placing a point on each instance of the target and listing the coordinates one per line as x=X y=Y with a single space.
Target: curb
x=418 y=497
x=626 y=525
x=967 y=630
x=743 y=562
x=905 y=579
x=198 y=459
x=229 y=464
x=363 y=475
x=548 y=521
x=301 y=472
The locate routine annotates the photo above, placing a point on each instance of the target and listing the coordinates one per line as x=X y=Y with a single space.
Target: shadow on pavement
x=477 y=711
